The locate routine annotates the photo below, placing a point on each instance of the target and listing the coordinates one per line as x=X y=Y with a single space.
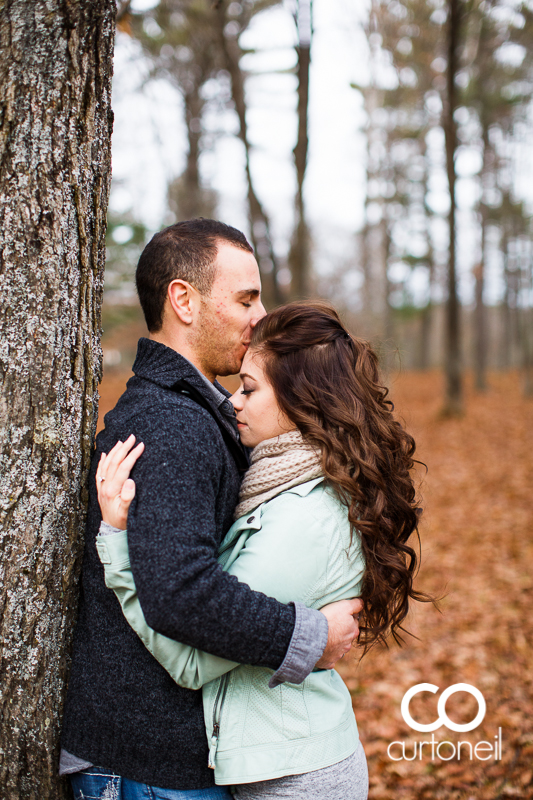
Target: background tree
x=452 y=360
x=229 y=30
x=403 y=286
x=403 y=109
x=179 y=39
x=299 y=255
x=482 y=112
x=55 y=65
x=496 y=89
x=192 y=43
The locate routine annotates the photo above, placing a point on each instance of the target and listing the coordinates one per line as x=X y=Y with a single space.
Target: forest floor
x=477 y=552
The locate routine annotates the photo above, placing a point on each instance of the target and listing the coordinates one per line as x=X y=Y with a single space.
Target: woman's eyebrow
x=245 y=375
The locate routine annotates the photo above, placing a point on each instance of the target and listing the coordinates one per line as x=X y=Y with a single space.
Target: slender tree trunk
x=426 y=320
x=388 y=326
x=299 y=257
x=507 y=322
x=480 y=314
x=186 y=196
x=192 y=195
x=454 y=383
x=260 y=223
x=527 y=351
x=426 y=317
x=365 y=255
x=526 y=314
x=55 y=124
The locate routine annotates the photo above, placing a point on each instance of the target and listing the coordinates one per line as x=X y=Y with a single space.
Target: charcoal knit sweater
x=123 y=711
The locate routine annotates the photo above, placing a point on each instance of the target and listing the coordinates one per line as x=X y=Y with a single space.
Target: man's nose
x=260 y=312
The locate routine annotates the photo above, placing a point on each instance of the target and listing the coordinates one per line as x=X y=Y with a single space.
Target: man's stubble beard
x=212 y=344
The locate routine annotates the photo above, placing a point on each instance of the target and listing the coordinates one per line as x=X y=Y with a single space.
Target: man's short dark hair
x=185 y=251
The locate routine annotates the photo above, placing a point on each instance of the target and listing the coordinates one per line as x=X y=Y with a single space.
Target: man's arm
x=183 y=592
x=272 y=568
x=186 y=665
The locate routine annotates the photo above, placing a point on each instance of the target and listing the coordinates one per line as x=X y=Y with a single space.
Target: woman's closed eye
x=246 y=391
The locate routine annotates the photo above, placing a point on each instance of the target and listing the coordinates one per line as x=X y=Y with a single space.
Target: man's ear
x=184 y=300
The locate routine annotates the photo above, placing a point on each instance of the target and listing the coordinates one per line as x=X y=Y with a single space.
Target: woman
x=325 y=513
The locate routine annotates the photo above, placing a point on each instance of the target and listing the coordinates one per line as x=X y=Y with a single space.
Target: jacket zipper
x=217 y=711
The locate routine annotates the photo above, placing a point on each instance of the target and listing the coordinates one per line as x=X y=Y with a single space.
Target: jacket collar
x=303 y=489
x=252 y=520
x=161 y=365
x=164 y=366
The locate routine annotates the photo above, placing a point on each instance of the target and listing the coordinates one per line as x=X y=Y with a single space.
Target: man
x=126 y=721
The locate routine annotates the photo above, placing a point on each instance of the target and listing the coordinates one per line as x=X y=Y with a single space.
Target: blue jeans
x=96 y=783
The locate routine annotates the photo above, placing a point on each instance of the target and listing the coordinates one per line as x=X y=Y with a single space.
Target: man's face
x=228 y=315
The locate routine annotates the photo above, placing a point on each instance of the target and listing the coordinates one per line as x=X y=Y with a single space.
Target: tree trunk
x=192 y=196
x=454 y=384
x=426 y=316
x=55 y=123
x=480 y=323
x=389 y=329
x=527 y=351
x=259 y=221
x=186 y=196
x=480 y=315
x=509 y=301
x=526 y=333
x=299 y=256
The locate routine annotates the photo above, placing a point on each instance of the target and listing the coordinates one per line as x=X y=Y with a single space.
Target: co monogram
x=443 y=718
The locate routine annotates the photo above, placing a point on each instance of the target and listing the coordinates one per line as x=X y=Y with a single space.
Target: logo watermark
x=445 y=750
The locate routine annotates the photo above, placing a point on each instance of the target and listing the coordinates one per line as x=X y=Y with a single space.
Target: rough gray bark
x=55 y=127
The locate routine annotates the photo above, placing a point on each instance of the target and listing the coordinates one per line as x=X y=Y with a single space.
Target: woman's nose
x=236 y=400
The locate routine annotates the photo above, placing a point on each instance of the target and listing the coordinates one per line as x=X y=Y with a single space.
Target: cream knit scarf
x=277 y=464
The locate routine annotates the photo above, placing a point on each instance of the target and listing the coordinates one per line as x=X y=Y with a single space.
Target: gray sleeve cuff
x=308 y=642
x=107 y=530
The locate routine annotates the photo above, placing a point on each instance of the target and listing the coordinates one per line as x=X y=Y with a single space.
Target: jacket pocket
x=273 y=715
x=296 y=724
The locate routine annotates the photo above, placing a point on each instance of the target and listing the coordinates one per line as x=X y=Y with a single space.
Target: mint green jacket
x=295 y=547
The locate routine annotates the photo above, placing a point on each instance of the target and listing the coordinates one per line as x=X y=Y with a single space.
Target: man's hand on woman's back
x=343 y=630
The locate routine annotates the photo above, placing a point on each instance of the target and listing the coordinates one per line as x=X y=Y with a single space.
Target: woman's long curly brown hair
x=327 y=383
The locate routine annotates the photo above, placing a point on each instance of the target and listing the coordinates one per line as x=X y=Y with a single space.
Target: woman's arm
x=189 y=667
x=287 y=558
